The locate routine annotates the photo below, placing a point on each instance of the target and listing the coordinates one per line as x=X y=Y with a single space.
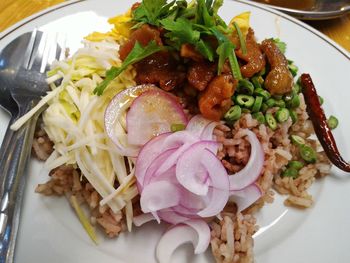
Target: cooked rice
x=66 y=180
x=231 y=237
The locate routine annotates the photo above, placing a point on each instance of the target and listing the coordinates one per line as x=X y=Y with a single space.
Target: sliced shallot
x=114 y=113
x=159 y=195
x=253 y=168
x=196 y=231
x=245 y=197
x=152 y=113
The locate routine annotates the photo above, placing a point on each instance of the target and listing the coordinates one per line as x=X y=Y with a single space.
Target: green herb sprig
x=137 y=53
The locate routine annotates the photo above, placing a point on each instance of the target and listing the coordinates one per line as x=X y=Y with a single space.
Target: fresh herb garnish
x=151 y=11
x=226 y=50
x=241 y=38
x=137 y=53
x=196 y=23
x=280 y=44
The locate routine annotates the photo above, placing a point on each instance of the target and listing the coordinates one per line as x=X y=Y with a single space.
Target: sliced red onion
x=245 y=197
x=197 y=124
x=114 y=111
x=142 y=219
x=197 y=232
x=172 y=159
x=252 y=170
x=172 y=217
x=159 y=195
x=219 y=184
x=151 y=114
x=191 y=172
x=203 y=232
x=177 y=139
x=146 y=156
x=152 y=172
x=172 y=239
x=208 y=132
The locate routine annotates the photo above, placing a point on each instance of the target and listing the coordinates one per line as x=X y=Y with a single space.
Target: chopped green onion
x=264 y=107
x=293 y=115
x=270 y=102
x=296 y=88
x=332 y=122
x=290 y=172
x=257 y=104
x=257 y=81
x=295 y=165
x=280 y=103
x=233 y=114
x=271 y=121
x=282 y=115
x=320 y=99
x=259 y=117
x=263 y=93
x=307 y=153
x=245 y=87
x=278 y=97
x=293 y=69
x=245 y=110
x=177 y=127
x=294 y=102
x=241 y=38
x=297 y=140
x=245 y=100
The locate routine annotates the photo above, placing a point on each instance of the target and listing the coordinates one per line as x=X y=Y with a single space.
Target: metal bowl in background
x=310 y=9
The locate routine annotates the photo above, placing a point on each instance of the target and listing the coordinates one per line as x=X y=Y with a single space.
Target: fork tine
x=62 y=43
x=35 y=50
x=29 y=50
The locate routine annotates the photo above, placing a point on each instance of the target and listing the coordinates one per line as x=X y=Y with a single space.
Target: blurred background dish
x=337 y=29
x=311 y=9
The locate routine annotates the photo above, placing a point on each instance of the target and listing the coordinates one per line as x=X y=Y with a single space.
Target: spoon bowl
x=319 y=10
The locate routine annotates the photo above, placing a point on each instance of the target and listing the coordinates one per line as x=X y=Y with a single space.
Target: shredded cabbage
x=74 y=120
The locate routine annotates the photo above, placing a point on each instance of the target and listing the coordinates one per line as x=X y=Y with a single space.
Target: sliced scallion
x=332 y=122
x=241 y=39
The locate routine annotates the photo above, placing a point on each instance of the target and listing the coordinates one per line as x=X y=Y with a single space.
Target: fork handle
x=12 y=181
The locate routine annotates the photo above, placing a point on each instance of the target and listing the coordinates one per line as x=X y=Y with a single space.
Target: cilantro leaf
x=203 y=16
x=150 y=11
x=205 y=49
x=216 y=6
x=137 y=53
x=184 y=31
x=280 y=44
x=226 y=50
x=241 y=38
x=180 y=31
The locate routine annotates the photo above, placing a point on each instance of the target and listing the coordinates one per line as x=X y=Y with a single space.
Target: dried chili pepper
x=320 y=124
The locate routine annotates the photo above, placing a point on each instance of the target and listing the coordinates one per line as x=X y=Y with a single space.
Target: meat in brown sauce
x=160 y=69
x=143 y=35
x=215 y=100
x=188 y=51
x=254 y=58
x=279 y=80
x=199 y=74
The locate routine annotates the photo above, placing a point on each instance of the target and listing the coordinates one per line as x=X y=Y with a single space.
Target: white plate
x=50 y=232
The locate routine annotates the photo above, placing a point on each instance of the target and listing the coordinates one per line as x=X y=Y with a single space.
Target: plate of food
x=187 y=132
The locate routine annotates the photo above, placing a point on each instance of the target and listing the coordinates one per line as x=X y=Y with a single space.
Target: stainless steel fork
x=22 y=83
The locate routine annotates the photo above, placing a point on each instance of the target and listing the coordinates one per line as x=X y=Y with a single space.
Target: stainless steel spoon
x=321 y=10
x=22 y=83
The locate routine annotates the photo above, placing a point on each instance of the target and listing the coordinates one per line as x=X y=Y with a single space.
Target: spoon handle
x=12 y=181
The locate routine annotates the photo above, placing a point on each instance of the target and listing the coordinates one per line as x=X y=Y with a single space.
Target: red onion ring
x=253 y=168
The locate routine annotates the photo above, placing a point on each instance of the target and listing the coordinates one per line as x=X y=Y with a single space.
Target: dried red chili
x=320 y=124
